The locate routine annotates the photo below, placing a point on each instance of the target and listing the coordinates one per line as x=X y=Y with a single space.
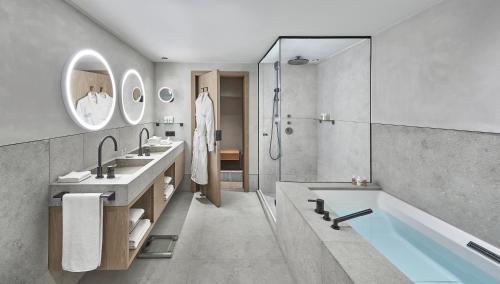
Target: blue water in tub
x=420 y=258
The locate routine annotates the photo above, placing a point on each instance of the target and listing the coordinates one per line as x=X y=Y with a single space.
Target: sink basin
x=155 y=149
x=125 y=166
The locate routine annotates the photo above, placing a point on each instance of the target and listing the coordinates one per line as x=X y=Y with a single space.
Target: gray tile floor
x=230 y=244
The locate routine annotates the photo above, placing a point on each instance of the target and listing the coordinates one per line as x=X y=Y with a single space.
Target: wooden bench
x=230 y=155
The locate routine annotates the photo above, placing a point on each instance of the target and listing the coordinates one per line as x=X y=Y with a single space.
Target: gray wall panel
x=453 y=175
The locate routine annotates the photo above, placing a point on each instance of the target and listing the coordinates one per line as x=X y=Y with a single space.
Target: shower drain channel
x=158 y=246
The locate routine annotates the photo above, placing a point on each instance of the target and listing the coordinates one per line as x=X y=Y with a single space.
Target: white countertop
x=125 y=186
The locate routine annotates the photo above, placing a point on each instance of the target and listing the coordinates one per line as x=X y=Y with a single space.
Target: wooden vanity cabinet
x=116 y=254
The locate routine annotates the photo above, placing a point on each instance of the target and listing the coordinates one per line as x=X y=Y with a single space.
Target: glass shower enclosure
x=314 y=112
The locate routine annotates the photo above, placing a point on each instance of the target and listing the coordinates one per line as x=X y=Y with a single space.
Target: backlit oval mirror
x=166 y=95
x=89 y=90
x=133 y=102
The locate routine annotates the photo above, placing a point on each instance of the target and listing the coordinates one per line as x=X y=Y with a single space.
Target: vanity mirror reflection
x=89 y=90
x=133 y=100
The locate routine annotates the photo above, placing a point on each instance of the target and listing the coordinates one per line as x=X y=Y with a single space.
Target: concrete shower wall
x=434 y=75
x=344 y=93
x=37 y=39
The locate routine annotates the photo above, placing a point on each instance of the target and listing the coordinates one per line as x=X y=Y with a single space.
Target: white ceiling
x=238 y=31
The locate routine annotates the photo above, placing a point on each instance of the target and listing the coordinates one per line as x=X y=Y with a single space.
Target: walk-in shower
x=302 y=80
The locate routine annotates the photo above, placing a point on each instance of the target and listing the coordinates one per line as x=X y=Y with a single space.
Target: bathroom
x=387 y=106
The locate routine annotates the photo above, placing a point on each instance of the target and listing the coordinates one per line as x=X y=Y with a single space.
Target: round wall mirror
x=89 y=90
x=133 y=102
x=166 y=95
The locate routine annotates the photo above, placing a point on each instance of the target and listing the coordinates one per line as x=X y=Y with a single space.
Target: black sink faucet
x=336 y=221
x=99 y=155
x=140 y=140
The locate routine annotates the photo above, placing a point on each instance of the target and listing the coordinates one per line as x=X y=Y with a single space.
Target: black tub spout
x=336 y=221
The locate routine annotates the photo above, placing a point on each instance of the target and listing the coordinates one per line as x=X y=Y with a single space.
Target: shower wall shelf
x=325 y=120
x=181 y=124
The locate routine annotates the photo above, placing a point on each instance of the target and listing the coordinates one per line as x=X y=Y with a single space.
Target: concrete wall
x=30 y=74
x=344 y=93
x=178 y=77
x=435 y=75
x=299 y=93
x=38 y=37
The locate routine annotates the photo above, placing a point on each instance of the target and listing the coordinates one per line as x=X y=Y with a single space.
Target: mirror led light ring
x=124 y=80
x=67 y=95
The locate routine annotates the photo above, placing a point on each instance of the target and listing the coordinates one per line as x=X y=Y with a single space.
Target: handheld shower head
x=277 y=65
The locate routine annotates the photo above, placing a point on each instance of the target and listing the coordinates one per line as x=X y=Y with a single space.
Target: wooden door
x=211 y=80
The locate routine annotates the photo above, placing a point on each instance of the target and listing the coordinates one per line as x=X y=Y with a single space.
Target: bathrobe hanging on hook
x=203 y=138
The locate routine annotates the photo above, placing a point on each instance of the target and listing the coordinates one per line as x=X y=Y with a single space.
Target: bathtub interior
x=422 y=254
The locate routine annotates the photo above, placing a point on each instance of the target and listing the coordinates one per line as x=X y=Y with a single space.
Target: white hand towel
x=138 y=233
x=134 y=215
x=74 y=177
x=82 y=231
x=167 y=180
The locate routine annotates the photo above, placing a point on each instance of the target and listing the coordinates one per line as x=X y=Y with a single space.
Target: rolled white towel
x=134 y=215
x=168 y=191
x=74 y=177
x=167 y=180
x=135 y=237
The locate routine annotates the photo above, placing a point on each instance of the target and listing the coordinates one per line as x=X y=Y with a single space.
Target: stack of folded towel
x=74 y=177
x=134 y=216
x=137 y=234
x=169 y=188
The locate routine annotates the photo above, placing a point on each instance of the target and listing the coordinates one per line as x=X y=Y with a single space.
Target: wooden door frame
x=246 y=150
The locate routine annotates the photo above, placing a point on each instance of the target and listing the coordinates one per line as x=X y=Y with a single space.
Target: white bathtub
x=422 y=232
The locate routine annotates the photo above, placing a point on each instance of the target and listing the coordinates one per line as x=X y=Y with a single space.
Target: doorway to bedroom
x=232 y=115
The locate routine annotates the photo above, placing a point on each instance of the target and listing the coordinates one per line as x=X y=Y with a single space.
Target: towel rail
x=109 y=195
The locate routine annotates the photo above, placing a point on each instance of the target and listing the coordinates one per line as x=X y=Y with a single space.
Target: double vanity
x=138 y=183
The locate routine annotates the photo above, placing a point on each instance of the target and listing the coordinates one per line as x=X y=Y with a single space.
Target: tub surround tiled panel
x=316 y=253
x=453 y=175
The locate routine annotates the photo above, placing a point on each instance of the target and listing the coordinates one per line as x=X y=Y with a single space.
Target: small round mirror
x=137 y=94
x=166 y=95
x=133 y=103
x=88 y=89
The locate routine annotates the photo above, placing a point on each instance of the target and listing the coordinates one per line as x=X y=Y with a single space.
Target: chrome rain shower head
x=298 y=60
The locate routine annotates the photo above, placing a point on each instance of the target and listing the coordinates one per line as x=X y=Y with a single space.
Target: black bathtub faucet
x=336 y=221
x=320 y=205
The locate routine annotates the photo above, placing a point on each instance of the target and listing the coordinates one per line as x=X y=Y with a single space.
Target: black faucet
x=140 y=140
x=320 y=205
x=336 y=221
x=99 y=155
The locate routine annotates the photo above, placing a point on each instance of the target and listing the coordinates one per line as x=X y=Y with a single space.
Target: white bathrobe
x=204 y=135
